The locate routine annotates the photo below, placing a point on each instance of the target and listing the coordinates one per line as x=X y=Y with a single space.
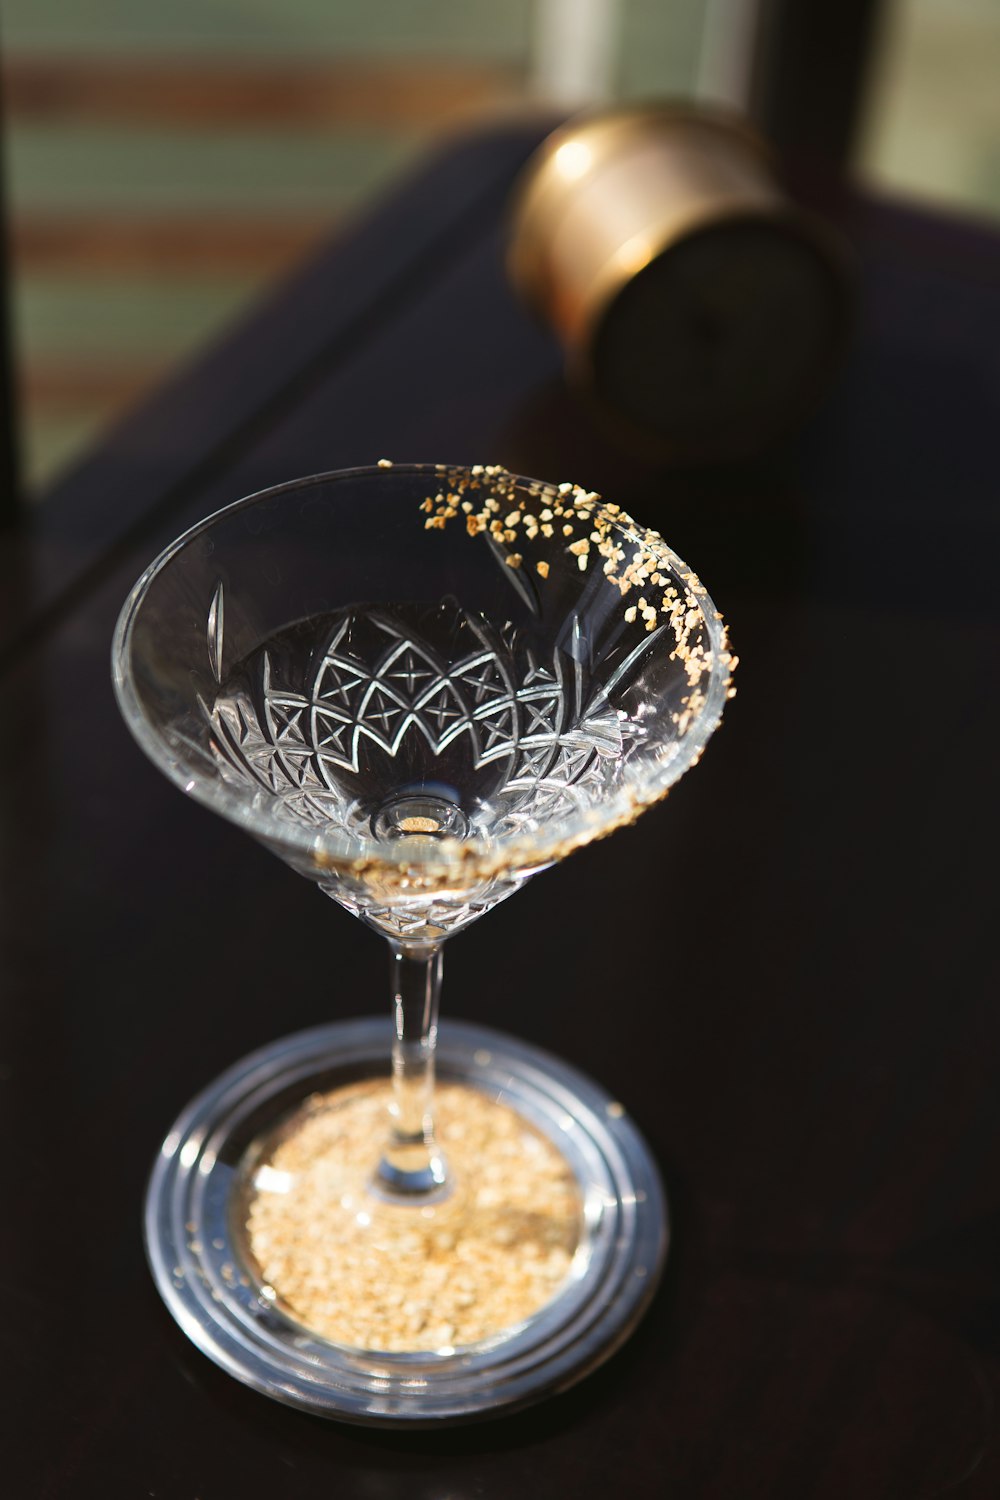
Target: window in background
x=933 y=119
x=167 y=162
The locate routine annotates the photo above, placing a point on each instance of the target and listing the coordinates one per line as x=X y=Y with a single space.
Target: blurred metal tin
x=701 y=309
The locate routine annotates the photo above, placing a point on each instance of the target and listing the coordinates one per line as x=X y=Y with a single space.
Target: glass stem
x=411 y=1163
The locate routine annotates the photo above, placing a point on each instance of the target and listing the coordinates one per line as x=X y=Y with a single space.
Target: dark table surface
x=799 y=1005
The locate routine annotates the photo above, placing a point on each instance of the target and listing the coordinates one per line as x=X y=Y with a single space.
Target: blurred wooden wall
x=209 y=179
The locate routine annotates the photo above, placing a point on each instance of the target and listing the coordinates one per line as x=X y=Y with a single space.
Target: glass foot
x=279 y=1260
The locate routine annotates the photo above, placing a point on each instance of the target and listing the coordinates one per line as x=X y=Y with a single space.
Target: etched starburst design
x=317 y=727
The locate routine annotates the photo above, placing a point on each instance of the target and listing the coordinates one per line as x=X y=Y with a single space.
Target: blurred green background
x=165 y=162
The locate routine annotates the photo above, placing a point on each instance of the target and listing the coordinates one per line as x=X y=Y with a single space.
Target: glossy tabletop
x=788 y=972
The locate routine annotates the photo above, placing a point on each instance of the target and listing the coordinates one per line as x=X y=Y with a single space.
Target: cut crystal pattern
x=334 y=716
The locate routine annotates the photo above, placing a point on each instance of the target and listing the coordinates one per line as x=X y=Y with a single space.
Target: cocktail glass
x=418 y=685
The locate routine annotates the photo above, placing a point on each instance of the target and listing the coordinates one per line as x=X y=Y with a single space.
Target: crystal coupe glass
x=418 y=685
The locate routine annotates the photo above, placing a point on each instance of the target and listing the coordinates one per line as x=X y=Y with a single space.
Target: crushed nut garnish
x=633 y=559
x=371 y=1274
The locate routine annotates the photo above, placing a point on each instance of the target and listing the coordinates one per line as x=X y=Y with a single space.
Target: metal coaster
x=195 y=1239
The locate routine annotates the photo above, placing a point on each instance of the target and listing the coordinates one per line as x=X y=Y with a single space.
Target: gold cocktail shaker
x=697 y=306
